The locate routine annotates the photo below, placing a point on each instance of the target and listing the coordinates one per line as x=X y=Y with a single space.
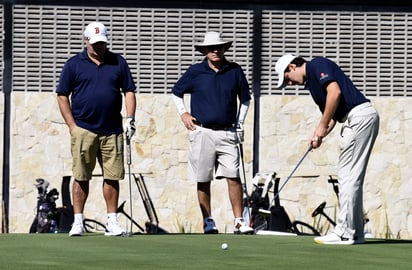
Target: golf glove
x=240 y=132
x=130 y=128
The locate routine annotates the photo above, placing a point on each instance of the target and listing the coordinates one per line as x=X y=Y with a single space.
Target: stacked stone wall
x=40 y=149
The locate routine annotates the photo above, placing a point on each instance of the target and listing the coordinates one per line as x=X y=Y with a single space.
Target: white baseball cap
x=281 y=66
x=96 y=32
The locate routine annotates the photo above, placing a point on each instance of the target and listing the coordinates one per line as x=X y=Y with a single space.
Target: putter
x=266 y=212
x=129 y=162
x=244 y=185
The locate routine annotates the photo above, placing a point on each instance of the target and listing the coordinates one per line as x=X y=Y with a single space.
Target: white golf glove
x=130 y=128
x=240 y=132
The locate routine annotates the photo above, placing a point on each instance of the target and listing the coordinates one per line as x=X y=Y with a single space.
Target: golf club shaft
x=244 y=184
x=243 y=170
x=129 y=162
x=287 y=179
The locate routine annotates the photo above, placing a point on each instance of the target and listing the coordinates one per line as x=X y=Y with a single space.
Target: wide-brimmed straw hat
x=212 y=39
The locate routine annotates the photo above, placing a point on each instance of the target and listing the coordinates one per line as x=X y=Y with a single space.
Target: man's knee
x=203 y=186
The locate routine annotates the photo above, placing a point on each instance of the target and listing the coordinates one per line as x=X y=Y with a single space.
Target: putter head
x=127 y=234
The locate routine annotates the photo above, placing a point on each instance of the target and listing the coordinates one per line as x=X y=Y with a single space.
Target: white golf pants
x=358 y=134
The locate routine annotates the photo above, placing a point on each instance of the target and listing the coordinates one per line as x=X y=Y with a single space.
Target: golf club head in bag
x=42 y=186
x=259 y=199
x=47 y=214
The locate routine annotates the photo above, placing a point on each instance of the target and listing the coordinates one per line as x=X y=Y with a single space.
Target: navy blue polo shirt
x=96 y=91
x=214 y=95
x=319 y=73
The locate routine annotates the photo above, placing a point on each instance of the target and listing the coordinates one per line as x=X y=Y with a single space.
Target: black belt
x=216 y=127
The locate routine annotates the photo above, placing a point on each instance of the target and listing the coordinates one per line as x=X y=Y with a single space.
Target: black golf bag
x=46 y=211
x=279 y=219
x=49 y=218
x=258 y=202
x=66 y=213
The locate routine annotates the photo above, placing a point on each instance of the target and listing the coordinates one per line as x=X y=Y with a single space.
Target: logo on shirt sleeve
x=323 y=76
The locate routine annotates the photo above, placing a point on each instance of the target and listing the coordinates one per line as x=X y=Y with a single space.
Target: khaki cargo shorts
x=87 y=147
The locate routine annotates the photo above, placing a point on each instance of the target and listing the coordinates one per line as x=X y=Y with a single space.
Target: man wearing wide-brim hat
x=212 y=39
x=215 y=124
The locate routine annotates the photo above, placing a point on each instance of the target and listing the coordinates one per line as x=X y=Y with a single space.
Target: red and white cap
x=95 y=32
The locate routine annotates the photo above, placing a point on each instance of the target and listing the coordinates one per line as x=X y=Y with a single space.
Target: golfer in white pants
x=339 y=101
x=358 y=134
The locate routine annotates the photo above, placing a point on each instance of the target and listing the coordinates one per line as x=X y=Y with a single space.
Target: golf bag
x=259 y=199
x=66 y=213
x=46 y=211
x=49 y=218
x=256 y=202
x=279 y=219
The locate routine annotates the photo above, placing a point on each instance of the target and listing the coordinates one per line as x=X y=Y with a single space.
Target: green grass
x=196 y=251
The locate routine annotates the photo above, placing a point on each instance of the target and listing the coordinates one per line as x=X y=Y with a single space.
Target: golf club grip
x=128 y=151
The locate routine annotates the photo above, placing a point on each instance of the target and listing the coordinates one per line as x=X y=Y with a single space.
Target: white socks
x=239 y=220
x=78 y=218
x=112 y=217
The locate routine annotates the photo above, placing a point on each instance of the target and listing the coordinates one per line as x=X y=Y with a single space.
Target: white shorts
x=213 y=152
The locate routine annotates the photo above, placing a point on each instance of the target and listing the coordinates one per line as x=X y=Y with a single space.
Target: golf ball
x=225 y=246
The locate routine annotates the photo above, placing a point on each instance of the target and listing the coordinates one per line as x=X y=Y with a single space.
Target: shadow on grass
x=386 y=241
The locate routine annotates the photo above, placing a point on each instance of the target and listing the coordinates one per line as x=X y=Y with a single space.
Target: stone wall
x=40 y=149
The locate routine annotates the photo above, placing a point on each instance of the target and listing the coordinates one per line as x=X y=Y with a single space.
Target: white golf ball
x=225 y=246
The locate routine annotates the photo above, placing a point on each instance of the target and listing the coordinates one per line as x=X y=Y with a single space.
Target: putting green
x=196 y=251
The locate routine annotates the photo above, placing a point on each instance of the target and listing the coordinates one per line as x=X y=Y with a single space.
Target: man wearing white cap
x=95 y=79
x=339 y=101
x=215 y=84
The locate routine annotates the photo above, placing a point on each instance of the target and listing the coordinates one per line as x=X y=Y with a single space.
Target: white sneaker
x=241 y=227
x=333 y=239
x=77 y=229
x=113 y=229
x=209 y=226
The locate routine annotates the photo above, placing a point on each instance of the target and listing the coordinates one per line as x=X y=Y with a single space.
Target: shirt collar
x=307 y=76
x=84 y=55
x=225 y=64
